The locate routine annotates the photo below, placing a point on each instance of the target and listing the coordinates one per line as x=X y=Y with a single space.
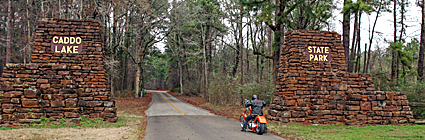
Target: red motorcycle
x=258 y=124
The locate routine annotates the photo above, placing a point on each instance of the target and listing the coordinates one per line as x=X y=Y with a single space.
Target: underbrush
x=226 y=90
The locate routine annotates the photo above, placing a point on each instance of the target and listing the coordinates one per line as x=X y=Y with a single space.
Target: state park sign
x=66 y=45
x=318 y=54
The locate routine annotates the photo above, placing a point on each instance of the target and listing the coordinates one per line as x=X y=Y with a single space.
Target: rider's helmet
x=254 y=97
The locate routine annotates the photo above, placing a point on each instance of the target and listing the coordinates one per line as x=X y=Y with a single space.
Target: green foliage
x=360 y=5
x=156 y=70
x=404 y=56
x=312 y=15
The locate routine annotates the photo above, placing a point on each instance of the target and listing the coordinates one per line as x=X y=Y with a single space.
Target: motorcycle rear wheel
x=261 y=128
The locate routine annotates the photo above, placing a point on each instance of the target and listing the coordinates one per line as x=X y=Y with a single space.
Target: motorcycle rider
x=256 y=106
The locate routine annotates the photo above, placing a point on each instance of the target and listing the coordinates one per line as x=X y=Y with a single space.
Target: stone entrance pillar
x=315 y=87
x=66 y=76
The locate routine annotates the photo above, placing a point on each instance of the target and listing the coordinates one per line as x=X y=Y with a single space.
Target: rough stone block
x=13 y=94
x=71 y=115
x=365 y=106
x=29 y=103
x=109 y=103
x=42 y=81
x=15 y=100
x=381 y=97
x=94 y=103
x=44 y=86
x=353 y=108
x=71 y=102
x=355 y=97
x=290 y=102
x=57 y=103
x=30 y=93
x=6 y=87
x=59 y=67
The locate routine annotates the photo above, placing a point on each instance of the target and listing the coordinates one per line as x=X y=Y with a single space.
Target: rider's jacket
x=256 y=106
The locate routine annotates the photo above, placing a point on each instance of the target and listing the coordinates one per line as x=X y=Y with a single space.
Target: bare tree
x=9 y=29
x=422 y=44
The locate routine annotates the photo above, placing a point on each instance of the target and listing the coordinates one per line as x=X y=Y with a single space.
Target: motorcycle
x=258 y=124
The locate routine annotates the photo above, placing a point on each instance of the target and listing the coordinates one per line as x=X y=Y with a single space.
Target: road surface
x=171 y=119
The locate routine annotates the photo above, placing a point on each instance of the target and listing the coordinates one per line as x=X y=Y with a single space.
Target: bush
x=227 y=89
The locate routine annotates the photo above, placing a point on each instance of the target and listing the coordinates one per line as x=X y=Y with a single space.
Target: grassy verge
x=332 y=132
x=325 y=132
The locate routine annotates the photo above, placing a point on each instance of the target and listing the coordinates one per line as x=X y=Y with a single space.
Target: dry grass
x=130 y=113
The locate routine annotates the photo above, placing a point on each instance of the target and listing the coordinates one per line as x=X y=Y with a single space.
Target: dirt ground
x=130 y=110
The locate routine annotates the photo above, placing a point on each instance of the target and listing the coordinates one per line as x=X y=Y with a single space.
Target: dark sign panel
x=66 y=45
x=318 y=53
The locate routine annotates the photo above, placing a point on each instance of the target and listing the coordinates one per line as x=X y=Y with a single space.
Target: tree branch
x=270 y=25
x=262 y=54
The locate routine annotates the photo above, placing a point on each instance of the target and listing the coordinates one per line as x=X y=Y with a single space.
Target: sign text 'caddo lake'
x=66 y=45
x=318 y=53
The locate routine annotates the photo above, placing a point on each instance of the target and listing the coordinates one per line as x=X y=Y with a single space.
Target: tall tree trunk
x=138 y=74
x=364 y=58
x=9 y=29
x=393 y=53
x=357 y=69
x=207 y=47
x=279 y=34
x=371 y=37
x=269 y=46
x=346 y=35
x=28 y=47
x=241 y=50
x=402 y=6
x=422 y=45
x=180 y=71
x=60 y=9
x=353 y=46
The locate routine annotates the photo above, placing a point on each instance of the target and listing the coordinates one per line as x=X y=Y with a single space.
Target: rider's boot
x=244 y=126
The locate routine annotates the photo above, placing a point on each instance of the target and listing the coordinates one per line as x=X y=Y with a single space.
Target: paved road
x=171 y=119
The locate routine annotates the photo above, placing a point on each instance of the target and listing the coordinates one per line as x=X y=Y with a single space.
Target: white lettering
x=55 y=39
x=71 y=40
x=75 y=49
x=56 y=49
x=63 y=49
x=78 y=40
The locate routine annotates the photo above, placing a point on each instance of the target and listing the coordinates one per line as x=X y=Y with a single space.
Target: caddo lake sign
x=63 y=81
x=67 y=45
x=318 y=53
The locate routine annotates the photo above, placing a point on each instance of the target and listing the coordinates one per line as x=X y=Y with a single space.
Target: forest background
x=227 y=50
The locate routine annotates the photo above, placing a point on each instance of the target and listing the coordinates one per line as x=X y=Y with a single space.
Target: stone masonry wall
x=325 y=93
x=58 y=85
